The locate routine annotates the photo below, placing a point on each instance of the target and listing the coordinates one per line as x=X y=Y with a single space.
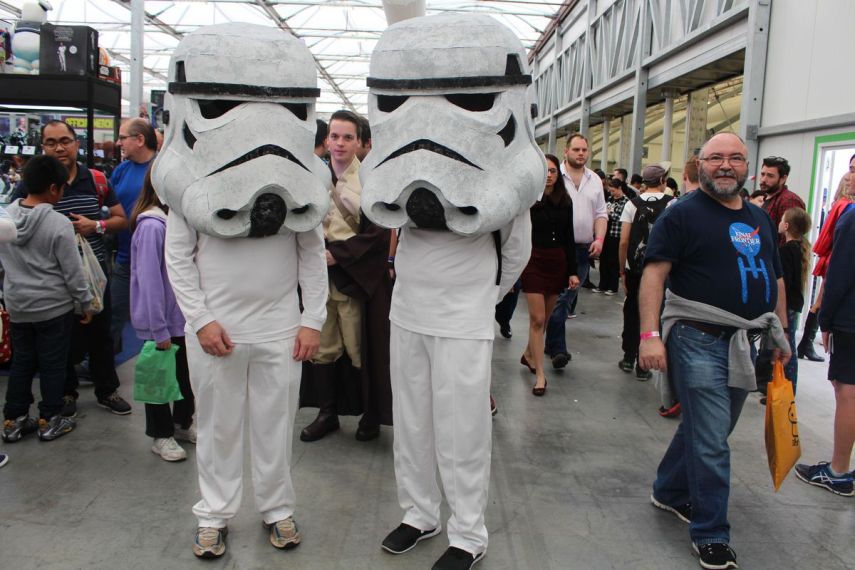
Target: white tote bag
x=95 y=278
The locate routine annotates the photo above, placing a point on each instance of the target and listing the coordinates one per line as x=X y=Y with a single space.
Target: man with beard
x=725 y=279
x=773 y=183
x=590 y=219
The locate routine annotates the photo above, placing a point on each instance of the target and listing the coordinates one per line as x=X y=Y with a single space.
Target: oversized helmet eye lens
x=477 y=102
x=388 y=103
x=300 y=110
x=213 y=108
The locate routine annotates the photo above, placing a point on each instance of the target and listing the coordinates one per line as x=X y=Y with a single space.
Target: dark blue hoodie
x=838 y=301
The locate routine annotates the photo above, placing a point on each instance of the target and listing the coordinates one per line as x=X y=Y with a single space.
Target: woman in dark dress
x=551 y=267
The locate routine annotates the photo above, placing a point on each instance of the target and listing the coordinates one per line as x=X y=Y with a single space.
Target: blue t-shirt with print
x=722 y=257
x=127 y=181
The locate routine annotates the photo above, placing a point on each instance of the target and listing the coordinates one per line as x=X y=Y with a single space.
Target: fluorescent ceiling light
x=39 y=108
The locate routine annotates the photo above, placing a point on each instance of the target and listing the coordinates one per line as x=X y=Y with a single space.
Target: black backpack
x=646 y=214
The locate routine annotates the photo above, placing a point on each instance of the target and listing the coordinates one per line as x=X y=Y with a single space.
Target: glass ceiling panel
x=340 y=33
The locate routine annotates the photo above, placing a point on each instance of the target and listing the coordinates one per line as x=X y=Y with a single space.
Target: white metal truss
x=340 y=33
x=612 y=45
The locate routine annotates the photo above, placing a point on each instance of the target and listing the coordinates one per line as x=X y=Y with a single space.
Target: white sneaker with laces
x=168 y=449
x=188 y=435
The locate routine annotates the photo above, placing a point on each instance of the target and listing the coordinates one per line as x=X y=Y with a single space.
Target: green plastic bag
x=155 y=381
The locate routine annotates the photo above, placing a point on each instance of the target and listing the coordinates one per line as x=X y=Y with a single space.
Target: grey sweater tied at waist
x=741 y=366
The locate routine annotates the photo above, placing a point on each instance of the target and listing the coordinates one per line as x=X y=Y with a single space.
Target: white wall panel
x=808 y=68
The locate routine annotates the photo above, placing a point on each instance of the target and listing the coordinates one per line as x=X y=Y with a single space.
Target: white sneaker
x=168 y=449
x=188 y=435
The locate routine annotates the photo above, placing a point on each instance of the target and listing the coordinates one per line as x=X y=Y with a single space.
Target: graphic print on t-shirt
x=746 y=240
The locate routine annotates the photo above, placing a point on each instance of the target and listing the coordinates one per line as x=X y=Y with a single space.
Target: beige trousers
x=342 y=331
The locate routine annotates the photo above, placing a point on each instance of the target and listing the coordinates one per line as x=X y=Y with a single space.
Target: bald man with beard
x=725 y=279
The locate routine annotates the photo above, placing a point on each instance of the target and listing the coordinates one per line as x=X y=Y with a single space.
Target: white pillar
x=604 y=160
x=668 y=121
x=137 y=33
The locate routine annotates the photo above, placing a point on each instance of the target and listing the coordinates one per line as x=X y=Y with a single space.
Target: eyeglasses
x=717 y=160
x=64 y=142
x=552 y=170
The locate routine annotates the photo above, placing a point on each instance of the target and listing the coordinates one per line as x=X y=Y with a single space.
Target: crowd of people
x=693 y=293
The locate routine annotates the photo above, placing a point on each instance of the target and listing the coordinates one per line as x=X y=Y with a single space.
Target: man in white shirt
x=590 y=220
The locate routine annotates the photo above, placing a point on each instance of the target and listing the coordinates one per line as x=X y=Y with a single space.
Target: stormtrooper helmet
x=237 y=157
x=450 y=105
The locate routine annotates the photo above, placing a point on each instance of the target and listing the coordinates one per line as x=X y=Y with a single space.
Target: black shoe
x=505 y=330
x=682 y=512
x=805 y=348
x=626 y=364
x=642 y=375
x=69 y=407
x=457 y=559
x=560 y=360
x=115 y=404
x=715 y=556
x=405 y=538
x=367 y=432
x=325 y=423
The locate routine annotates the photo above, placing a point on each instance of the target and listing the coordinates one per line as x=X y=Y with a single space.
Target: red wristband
x=599 y=239
x=649 y=334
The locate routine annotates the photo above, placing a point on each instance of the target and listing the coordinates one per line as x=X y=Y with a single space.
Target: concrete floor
x=570 y=483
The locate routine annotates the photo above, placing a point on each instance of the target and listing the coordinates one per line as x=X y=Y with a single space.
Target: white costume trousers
x=258 y=382
x=441 y=410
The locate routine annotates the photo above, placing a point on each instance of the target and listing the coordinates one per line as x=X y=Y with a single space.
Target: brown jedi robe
x=362 y=272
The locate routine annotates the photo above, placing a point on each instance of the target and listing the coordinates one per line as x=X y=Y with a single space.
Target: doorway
x=832 y=155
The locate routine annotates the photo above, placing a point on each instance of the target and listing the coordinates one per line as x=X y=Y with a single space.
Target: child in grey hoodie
x=43 y=281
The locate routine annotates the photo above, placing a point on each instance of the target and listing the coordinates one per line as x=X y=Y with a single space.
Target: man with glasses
x=82 y=205
x=773 y=183
x=725 y=279
x=138 y=144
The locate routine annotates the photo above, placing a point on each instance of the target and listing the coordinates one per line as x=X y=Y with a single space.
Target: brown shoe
x=325 y=423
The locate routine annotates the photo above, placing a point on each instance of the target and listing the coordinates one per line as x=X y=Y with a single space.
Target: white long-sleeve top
x=248 y=285
x=446 y=284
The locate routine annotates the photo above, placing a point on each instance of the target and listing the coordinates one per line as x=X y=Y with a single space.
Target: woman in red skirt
x=552 y=266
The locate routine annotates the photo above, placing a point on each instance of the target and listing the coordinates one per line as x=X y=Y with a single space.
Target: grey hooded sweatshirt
x=43 y=273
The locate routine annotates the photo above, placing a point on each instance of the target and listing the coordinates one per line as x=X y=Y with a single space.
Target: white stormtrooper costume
x=246 y=197
x=454 y=164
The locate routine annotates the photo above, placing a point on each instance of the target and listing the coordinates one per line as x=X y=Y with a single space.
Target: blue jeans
x=696 y=467
x=38 y=347
x=120 y=294
x=556 y=340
